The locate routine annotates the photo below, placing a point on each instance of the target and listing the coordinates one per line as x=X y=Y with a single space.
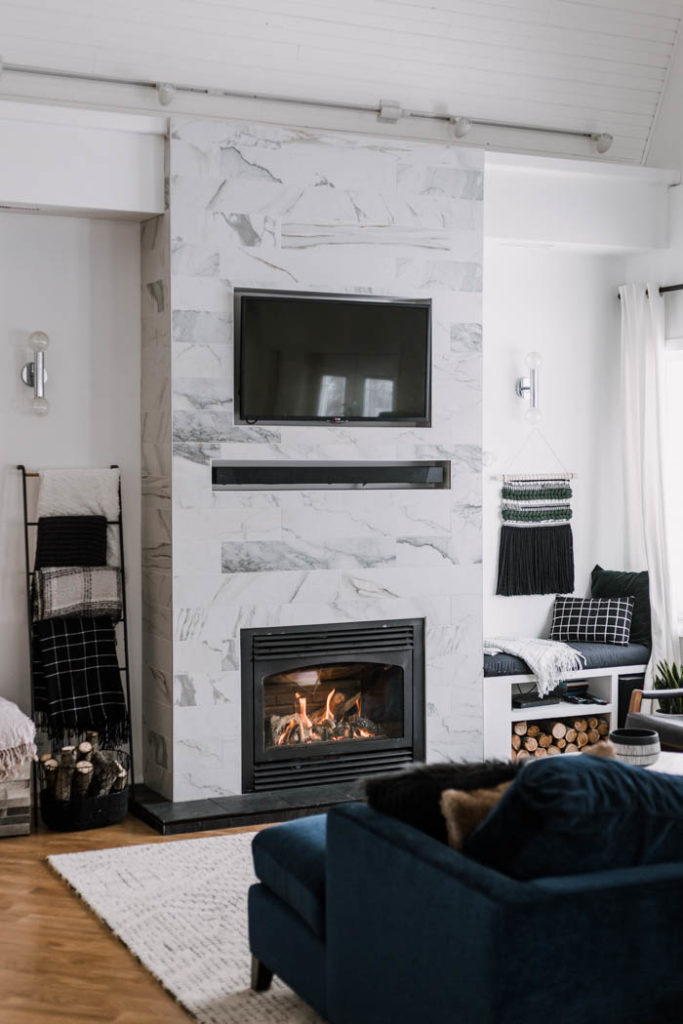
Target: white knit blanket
x=17 y=739
x=549 y=660
x=83 y=492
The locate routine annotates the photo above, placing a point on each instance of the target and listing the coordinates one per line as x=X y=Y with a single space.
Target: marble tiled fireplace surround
x=260 y=206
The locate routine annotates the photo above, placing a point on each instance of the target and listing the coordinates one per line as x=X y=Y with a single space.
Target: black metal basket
x=76 y=815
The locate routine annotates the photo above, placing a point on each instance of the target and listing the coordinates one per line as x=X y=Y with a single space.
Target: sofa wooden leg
x=261 y=976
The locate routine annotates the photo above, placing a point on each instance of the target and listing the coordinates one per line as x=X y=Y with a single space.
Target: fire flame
x=323 y=725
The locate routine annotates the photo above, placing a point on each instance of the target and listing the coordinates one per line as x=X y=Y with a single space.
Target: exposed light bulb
x=41 y=406
x=461 y=126
x=165 y=93
x=38 y=341
x=602 y=141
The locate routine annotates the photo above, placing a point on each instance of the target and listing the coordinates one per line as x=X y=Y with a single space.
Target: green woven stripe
x=536 y=515
x=537 y=494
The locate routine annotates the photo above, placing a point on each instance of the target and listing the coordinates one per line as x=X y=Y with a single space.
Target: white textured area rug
x=181 y=908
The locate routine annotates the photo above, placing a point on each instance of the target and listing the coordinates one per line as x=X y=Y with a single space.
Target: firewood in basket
x=85 y=751
x=44 y=758
x=81 y=780
x=93 y=738
x=104 y=776
x=68 y=756
x=50 y=769
x=121 y=779
x=65 y=774
x=559 y=730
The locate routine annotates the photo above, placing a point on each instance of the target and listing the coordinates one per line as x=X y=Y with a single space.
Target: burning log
x=339 y=718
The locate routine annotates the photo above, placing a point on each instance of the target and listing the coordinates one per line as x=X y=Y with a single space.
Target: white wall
x=78 y=280
x=563 y=305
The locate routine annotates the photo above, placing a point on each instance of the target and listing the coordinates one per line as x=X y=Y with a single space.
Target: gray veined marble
x=297 y=554
x=196 y=327
x=466 y=339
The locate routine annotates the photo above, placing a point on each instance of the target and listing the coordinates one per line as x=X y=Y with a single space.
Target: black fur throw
x=413 y=795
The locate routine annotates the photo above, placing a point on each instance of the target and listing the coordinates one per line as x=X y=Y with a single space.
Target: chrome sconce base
x=34 y=374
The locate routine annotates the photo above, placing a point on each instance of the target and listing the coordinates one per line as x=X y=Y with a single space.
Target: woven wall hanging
x=536 y=546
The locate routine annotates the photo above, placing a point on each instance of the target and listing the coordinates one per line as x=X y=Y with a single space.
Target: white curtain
x=642 y=395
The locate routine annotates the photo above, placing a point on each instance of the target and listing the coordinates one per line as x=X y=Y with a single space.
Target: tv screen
x=334 y=358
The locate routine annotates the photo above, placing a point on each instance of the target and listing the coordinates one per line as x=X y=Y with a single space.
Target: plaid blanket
x=72 y=591
x=77 y=680
x=71 y=540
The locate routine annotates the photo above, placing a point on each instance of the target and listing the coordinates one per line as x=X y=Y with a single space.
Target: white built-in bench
x=505 y=675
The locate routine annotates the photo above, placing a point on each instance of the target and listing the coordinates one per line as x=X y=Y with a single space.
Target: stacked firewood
x=544 y=739
x=83 y=771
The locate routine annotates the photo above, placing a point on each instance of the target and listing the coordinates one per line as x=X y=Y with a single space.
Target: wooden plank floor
x=58 y=962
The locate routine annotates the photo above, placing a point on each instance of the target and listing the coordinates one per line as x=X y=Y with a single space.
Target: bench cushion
x=290 y=860
x=596 y=655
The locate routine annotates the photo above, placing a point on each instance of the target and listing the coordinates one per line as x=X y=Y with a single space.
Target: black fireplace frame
x=364 y=757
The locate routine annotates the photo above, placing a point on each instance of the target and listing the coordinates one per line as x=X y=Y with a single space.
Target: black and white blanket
x=72 y=591
x=71 y=540
x=77 y=679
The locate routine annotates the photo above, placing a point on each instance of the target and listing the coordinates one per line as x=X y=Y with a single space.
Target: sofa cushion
x=608 y=583
x=290 y=860
x=414 y=795
x=570 y=815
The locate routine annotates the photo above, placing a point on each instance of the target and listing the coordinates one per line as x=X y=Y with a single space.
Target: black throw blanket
x=71 y=540
x=77 y=680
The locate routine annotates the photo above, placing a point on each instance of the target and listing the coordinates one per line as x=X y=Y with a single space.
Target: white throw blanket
x=17 y=739
x=83 y=492
x=549 y=660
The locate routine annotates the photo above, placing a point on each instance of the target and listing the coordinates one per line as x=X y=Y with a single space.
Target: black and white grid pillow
x=592 y=620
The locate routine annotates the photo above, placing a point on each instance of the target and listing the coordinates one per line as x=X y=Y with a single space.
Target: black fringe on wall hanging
x=536 y=546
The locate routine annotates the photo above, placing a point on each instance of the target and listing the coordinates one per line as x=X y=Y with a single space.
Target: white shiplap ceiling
x=589 y=65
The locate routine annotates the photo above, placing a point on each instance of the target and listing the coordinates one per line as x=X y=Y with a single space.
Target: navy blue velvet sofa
x=371 y=922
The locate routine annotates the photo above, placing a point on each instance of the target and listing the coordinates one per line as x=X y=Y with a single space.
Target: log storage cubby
x=500 y=718
x=556 y=736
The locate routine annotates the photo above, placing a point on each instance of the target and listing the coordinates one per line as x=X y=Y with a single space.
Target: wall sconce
x=34 y=375
x=528 y=387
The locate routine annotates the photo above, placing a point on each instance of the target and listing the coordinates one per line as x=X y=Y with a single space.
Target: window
x=378 y=396
x=332 y=395
x=673 y=433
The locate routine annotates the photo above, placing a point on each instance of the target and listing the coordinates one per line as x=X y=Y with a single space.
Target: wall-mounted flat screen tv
x=305 y=358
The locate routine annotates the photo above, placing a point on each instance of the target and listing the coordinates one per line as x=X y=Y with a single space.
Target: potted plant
x=669 y=677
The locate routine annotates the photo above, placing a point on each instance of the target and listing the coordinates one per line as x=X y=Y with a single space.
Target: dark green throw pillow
x=606 y=583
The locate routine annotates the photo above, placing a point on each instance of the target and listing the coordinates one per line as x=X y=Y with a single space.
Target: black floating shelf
x=231 y=476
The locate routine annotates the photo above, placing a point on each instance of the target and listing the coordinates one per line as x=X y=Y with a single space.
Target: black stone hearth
x=173 y=818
